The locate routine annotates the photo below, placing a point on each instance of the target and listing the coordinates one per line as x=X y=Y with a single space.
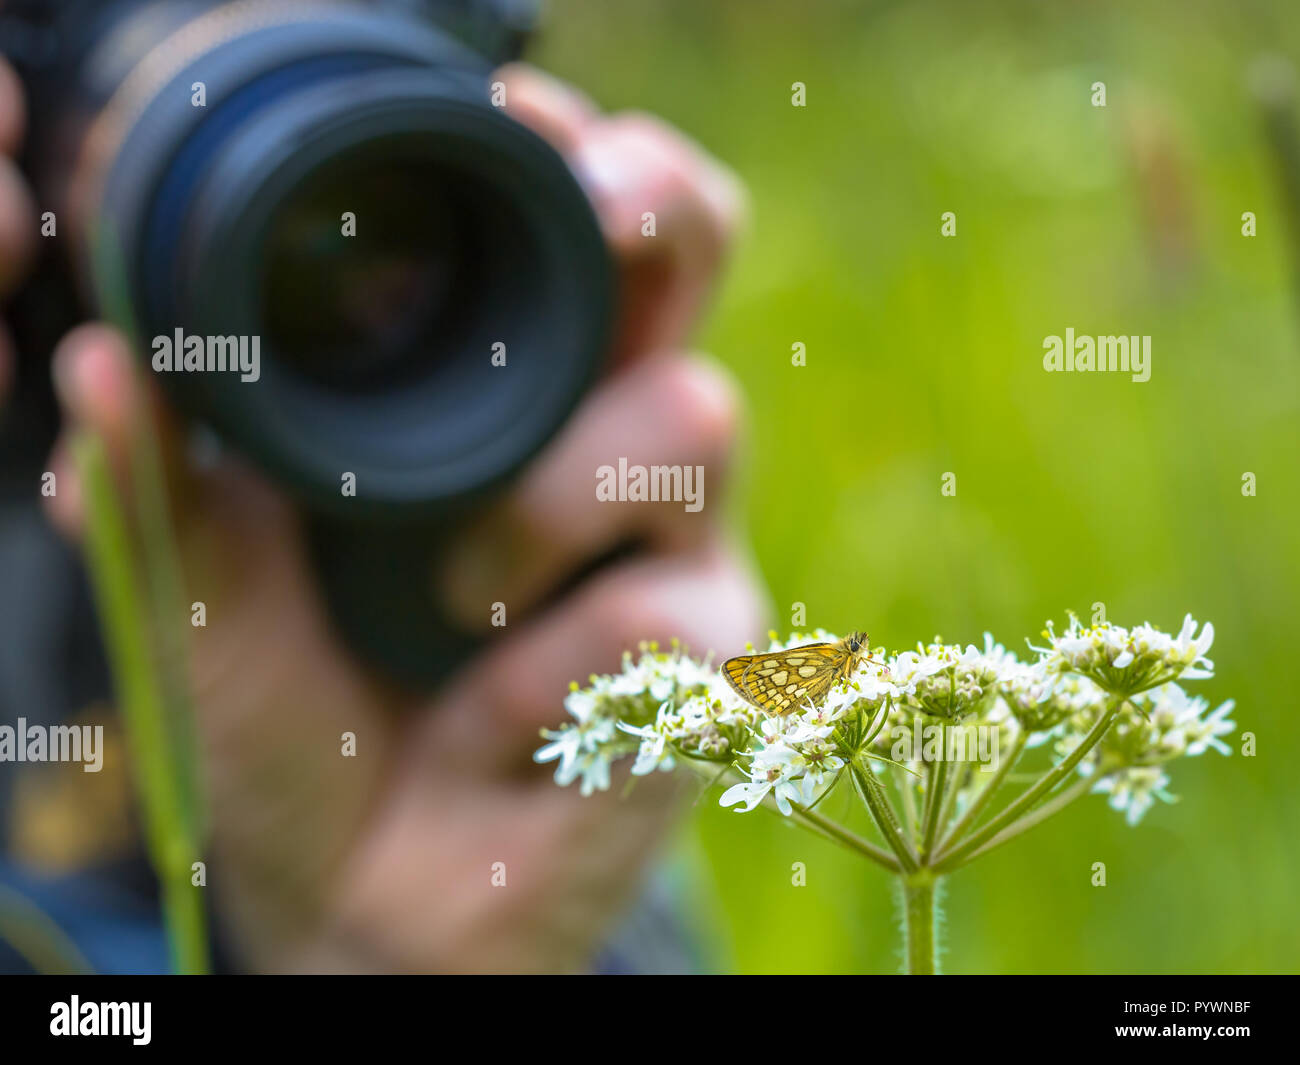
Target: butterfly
x=778 y=681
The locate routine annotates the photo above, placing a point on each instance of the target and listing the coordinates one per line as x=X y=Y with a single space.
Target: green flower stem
x=919 y=889
x=873 y=794
x=949 y=859
x=823 y=826
x=981 y=801
x=907 y=799
x=1059 y=802
x=955 y=781
x=842 y=835
x=935 y=793
x=158 y=772
x=166 y=601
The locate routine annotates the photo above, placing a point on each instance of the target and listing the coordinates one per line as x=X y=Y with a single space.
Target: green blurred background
x=924 y=355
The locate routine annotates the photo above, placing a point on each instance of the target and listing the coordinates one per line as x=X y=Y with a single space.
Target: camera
x=333 y=188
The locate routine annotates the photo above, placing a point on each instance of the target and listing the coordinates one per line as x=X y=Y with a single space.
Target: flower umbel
x=1126 y=662
x=1102 y=705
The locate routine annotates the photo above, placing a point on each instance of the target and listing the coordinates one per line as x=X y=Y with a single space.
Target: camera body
x=336 y=253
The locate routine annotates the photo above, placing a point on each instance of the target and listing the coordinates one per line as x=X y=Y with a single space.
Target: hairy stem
x=873 y=794
x=919 y=890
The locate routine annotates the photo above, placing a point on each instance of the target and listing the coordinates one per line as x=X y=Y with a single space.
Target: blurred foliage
x=924 y=356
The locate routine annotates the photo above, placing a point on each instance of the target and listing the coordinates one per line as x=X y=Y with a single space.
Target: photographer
x=383 y=862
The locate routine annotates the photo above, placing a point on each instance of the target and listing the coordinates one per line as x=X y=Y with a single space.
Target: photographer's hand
x=384 y=861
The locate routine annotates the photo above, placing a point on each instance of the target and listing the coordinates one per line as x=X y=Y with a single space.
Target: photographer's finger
x=94 y=389
x=99 y=391
x=669 y=211
x=13 y=110
x=707 y=599
x=669 y=421
x=18 y=227
x=551 y=108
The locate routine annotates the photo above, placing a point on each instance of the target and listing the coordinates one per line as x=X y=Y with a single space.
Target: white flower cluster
x=1128 y=661
x=616 y=715
x=794 y=764
x=1155 y=727
x=1040 y=699
x=670 y=711
x=1134 y=791
x=948 y=681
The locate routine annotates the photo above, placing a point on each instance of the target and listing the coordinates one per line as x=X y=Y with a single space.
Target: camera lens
x=369 y=301
x=427 y=284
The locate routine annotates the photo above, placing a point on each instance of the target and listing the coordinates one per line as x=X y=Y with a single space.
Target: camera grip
x=378 y=580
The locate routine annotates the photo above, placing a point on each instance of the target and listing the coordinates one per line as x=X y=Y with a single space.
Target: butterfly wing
x=779 y=681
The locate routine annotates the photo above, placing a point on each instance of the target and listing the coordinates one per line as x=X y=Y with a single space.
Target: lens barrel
x=470 y=238
x=427 y=285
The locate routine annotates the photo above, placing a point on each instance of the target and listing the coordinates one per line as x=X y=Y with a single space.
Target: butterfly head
x=856 y=642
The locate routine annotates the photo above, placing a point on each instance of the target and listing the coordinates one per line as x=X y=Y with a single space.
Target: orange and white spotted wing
x=779 y=681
